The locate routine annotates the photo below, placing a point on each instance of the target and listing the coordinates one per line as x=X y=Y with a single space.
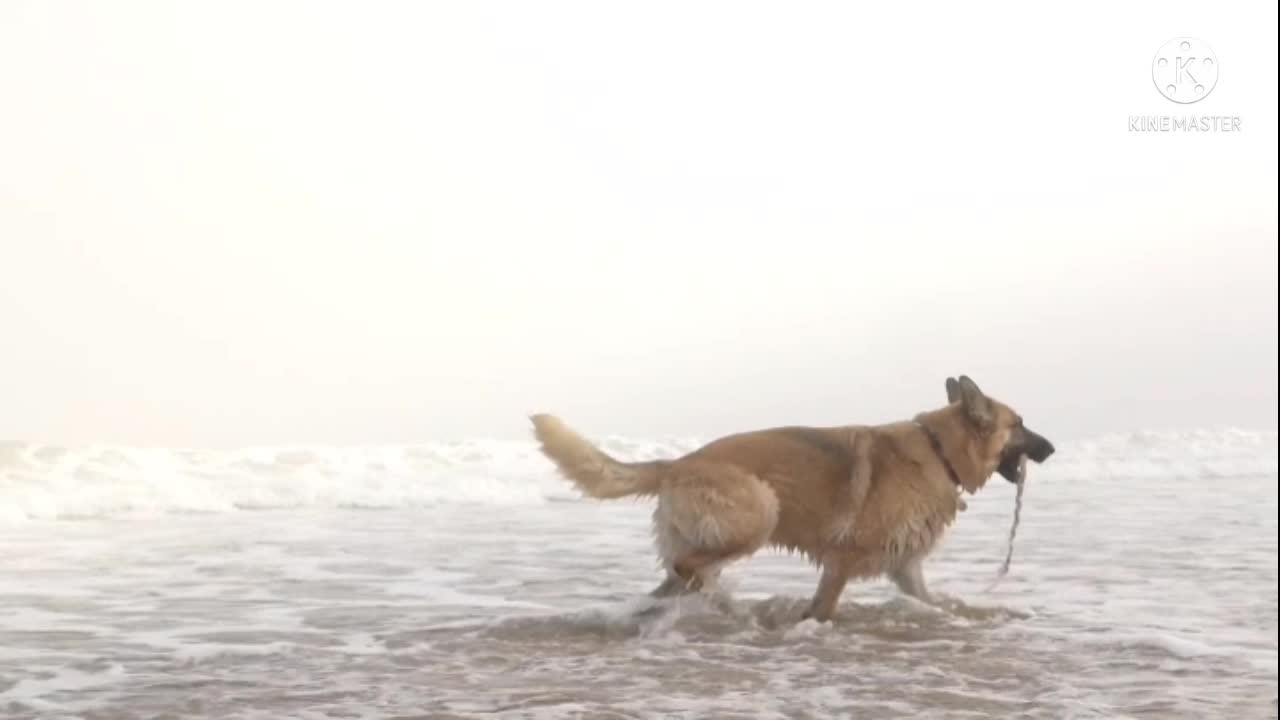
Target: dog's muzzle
x=1034 y=446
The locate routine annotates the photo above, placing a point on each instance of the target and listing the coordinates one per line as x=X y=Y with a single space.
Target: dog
x=859 y=501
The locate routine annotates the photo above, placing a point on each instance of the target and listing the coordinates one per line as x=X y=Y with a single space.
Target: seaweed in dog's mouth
x=1019 y=478
x=1012 y=467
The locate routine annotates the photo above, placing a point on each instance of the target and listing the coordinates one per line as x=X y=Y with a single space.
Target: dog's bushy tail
x=595 y=473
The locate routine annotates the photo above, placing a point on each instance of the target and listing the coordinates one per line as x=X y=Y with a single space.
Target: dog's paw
x=809 y=627
x=810 y=615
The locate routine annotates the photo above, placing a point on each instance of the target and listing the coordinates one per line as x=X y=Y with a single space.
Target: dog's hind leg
x=700 y=569
x=670 y=544
x=710 y=515
x=693 y=570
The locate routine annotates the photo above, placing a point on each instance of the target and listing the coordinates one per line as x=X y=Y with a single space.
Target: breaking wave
x=49 y=482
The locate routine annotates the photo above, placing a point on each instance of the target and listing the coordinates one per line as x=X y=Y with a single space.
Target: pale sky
x=244 y=223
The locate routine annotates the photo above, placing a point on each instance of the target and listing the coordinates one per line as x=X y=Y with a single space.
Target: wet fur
x=859 y=501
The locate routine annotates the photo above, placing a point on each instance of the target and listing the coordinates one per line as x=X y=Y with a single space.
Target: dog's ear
x=969 y=395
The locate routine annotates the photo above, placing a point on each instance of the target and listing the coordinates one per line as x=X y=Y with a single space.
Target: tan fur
x=859 y=501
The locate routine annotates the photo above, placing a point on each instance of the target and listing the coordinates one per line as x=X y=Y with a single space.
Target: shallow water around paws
x=1145 y=600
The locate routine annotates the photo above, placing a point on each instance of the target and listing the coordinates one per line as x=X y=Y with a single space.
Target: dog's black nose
x=1040 y=451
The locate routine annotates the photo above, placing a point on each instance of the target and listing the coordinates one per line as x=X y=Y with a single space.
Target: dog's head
x=1003 y=436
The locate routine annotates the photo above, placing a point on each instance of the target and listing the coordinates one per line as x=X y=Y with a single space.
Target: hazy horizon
x=240 y=224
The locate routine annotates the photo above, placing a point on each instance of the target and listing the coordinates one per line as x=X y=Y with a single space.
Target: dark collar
x=936 y=444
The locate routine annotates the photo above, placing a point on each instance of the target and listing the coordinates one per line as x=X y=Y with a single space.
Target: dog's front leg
x=834 y=577
x=672 y=585
x=909 y=578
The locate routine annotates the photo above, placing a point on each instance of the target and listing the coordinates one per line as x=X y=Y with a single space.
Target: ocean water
x=461 y=580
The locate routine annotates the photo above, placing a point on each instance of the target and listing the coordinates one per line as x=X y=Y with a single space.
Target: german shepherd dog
x=859 y=501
